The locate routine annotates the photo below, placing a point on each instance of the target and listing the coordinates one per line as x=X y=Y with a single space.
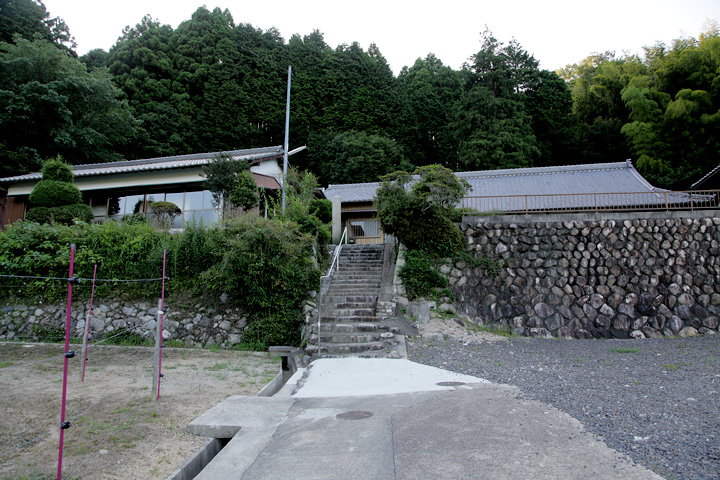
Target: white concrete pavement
x=356 y=418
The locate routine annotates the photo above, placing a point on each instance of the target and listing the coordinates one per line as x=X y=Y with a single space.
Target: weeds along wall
x=635 y=278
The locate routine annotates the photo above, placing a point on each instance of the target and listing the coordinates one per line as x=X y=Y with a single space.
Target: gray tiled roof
x=595 y=178
x=160 y=163
x=619 y=177
x=352 y=192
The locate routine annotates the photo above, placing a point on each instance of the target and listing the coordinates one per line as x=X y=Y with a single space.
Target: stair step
x=344 y=348
x=349 y=299
x=352 y=327
x=353 y=290
x=339 y=337
x=349 y=319
x=348 y=305
x=349 y=312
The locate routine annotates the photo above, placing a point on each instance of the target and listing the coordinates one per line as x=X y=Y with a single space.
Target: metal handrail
x=335 y=261
x=596 y=202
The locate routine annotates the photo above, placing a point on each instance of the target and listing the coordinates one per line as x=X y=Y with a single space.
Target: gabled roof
x=618 y=177
x=352 y=192
x=253 y=155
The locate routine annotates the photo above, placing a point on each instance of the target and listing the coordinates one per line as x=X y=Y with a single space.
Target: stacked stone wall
x=195 y=325
x=593 y=279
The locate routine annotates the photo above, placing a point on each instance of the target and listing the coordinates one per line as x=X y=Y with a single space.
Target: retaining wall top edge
x=582 y=216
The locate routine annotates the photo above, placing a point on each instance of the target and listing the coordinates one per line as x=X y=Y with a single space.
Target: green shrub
x=135 y=219
x=245 y=192
x=54 y=193
x=39 y=214
x=419 y=276
x=433 y=233
x=64 y=215
x=282 y=328
x=418 y=209
x=164 y=212
x=192 y=254
x=56 y=169
x=322 y=209
x=268 y=266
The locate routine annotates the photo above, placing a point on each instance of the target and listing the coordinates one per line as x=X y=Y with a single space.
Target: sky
x=556 y=32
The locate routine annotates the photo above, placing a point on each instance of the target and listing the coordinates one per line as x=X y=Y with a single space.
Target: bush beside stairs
x=349 y=322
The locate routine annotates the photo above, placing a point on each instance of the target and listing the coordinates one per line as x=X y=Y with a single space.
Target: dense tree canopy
x=214 y=84
x=30 y=20
x=50 y=105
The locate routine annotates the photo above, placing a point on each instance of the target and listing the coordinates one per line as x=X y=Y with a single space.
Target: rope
x=80 y=279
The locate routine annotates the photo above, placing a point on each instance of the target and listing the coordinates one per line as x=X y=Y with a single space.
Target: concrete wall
x=575 y=276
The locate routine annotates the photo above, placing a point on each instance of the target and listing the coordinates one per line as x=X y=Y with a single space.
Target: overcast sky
x=556 y=32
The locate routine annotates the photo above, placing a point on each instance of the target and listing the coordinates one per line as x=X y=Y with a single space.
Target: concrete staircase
x=349 y=322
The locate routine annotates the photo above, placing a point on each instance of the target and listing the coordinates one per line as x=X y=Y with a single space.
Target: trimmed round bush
x=64 y=215
x=78 y=211
x=53 y=193
x=165 y=208
x=39 y=214
x=57 y=170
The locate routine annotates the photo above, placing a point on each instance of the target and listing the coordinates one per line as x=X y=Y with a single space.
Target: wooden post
x=158 y=346
x=86 y=332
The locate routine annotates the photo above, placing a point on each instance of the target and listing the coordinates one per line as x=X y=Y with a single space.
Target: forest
x=213 y=84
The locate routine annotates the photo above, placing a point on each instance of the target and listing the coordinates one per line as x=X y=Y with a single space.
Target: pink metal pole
x=162 y=317
x=87 y=330
x=63 y=424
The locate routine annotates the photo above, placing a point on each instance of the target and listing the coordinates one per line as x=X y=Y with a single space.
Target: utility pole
x=287 y=138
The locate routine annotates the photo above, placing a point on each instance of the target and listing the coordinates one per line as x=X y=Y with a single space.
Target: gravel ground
x=656 y=400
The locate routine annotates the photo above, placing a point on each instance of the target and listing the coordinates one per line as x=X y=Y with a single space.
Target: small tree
x=416 y=208
x=222 y=178
x=165 y=213
x=245 y=193
x=56 y=198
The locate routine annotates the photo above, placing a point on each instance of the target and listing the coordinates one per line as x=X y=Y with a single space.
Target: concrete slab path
x=355 y=418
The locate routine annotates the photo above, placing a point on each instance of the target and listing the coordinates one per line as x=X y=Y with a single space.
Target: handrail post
x=319 y=315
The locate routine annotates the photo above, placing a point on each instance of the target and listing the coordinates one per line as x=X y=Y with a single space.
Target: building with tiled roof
x=602 y=186
x=116 y=189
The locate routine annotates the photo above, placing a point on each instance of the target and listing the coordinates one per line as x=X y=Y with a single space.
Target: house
x=120 y=188
x=595 y=187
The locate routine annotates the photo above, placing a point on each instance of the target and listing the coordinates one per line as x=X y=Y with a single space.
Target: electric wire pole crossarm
x=286 y=146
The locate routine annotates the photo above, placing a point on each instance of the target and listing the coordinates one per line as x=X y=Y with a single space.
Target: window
x=195 y=203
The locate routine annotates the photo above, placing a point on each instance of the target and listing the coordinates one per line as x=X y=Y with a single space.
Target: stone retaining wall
x=591 y=279
x=196 y=325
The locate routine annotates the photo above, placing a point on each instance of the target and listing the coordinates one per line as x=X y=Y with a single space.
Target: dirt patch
x=445 y=325
x=118 y=431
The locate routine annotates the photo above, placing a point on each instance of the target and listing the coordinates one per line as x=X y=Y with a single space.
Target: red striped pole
x=63 y=424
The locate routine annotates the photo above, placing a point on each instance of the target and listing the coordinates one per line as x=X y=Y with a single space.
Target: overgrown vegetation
x=265 y=266
x=418 y=209
x=419 y=276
